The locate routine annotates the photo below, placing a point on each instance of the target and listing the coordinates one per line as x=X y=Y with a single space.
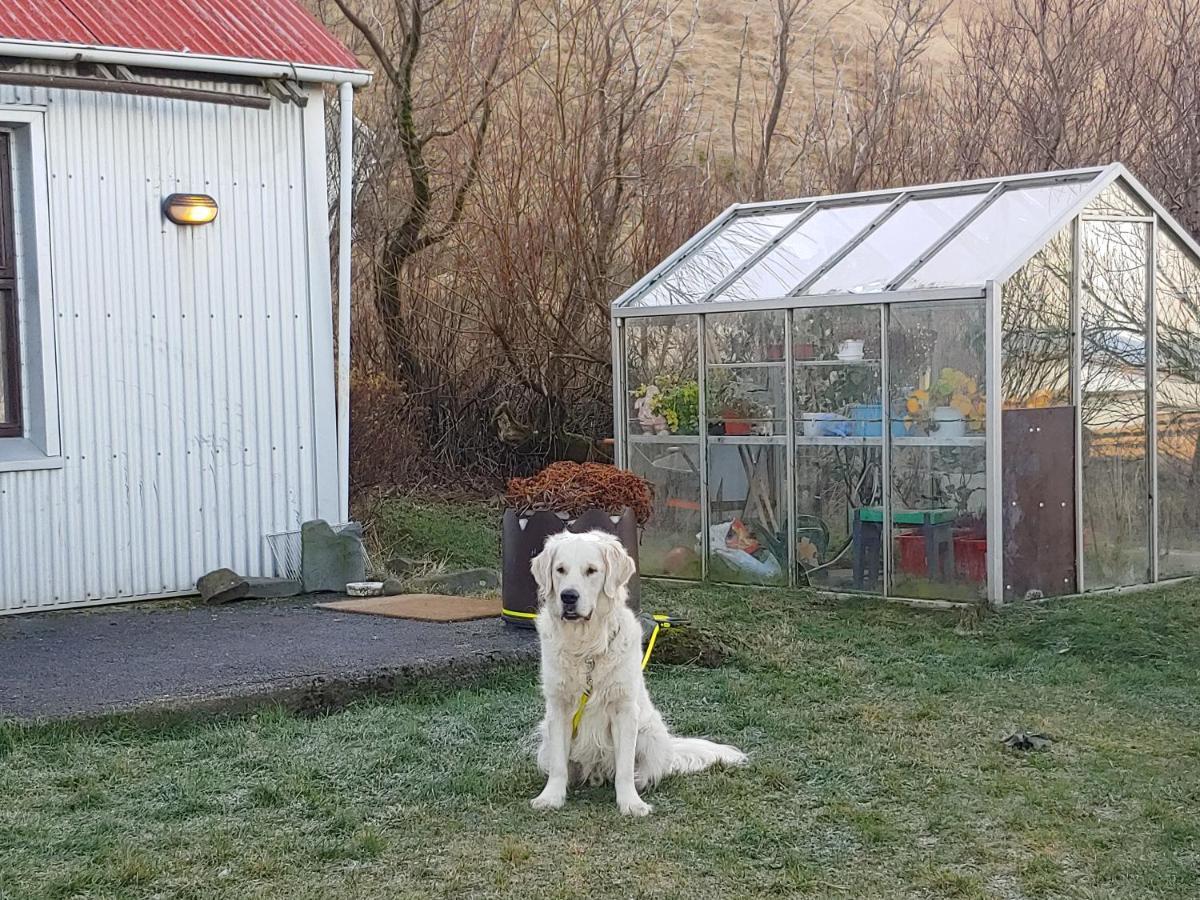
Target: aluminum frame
x=990 y=291
x=808 y=206
x=994 y=443
x=1151 y=364
x=1077 y=389
x=807 y=301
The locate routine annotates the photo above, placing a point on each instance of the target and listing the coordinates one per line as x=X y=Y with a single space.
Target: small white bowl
x=364 y=588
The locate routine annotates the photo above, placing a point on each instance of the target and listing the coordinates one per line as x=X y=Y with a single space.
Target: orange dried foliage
x=574 y=488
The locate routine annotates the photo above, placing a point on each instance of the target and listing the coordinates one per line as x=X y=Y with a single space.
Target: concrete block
x=221 y=586
x=467 y=581
x=329 y=559
x=270 y=588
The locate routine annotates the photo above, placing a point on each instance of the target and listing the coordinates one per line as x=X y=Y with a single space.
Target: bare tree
x=443 y=62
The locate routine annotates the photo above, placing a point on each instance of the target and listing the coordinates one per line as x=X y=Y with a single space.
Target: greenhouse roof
x=943 y=236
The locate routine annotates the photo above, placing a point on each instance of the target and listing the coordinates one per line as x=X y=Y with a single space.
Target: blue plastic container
x=868 y=421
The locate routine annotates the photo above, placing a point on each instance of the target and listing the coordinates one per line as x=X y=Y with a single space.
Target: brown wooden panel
x=1039 y=501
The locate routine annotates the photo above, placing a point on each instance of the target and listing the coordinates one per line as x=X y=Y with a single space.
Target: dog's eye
x=561 y=570
x=591 y=570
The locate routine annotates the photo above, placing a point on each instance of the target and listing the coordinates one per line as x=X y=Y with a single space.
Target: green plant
x=677 y=400
x=729 y=397
x=952 y=388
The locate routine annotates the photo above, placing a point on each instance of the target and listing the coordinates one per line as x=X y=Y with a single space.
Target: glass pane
x=1113 y=305
x=745 y=383
x=939 y=504
x=838 y=430
x=663 y=412
x=8 y=412
x=669 y=542
x=661 y=374
x=1117 y=200
x=747 y=511
x=801 y=253
x=998 y=235
x=1038 y=473
x=705 y=266
x=745 y=386
x=1036 y=327
x=895 y=244
x=1177 y=301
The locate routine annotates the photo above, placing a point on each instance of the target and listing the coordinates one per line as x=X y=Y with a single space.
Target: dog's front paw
x=549 y=800
x=636 y=807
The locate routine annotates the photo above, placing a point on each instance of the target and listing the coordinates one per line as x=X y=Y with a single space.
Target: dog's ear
x=618 y=568
x=541 y=566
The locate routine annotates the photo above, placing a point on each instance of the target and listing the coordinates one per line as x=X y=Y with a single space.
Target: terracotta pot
x=734 y=425
x=522 y=538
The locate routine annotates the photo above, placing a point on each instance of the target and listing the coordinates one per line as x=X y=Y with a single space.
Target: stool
x=935 y=525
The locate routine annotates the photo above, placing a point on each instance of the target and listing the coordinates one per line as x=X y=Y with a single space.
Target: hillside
x=712 y=57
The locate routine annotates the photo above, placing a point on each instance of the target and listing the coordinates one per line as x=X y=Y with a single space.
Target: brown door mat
x=424 y=607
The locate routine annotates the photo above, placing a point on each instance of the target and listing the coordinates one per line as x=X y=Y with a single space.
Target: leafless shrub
x=524 y=162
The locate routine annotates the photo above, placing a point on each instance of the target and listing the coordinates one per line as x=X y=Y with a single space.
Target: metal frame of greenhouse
x=965 y=245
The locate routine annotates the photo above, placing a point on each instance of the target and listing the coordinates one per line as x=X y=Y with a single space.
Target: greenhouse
x=986 y=390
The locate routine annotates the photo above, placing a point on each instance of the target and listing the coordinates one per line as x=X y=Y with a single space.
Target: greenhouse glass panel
x=703 y=268
x=1038 y=418
x=1036 y=329
x=747 y=464
x=1014 y=221
x=1117 y=200
x=803 y=251
x=663 y=415
x=1177 y=300
x=839 y=435
x=893 y=246
x=938 y=528
x=1113 y=376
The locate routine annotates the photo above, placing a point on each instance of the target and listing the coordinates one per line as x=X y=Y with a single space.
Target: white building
x=167 y=391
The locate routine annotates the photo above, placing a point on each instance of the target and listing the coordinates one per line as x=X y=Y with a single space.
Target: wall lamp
x=190 y=209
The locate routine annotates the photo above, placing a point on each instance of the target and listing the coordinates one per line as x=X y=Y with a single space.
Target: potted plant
x=566 y=496
x=951 y=406
x=668 y=405
x=733 y=404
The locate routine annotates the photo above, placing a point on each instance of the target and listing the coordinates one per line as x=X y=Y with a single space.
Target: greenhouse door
x=1114 y=286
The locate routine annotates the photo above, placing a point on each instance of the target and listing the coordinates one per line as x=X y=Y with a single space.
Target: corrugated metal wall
x=195 y=415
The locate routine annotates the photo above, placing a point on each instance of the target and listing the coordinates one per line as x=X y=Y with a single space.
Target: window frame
x=10 y=352
x=41 y=445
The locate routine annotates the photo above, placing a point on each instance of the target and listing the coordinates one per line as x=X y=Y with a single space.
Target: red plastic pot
x=970 y=558
x=911 y=547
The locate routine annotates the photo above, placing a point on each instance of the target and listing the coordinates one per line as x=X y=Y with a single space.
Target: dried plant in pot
x=566 y=496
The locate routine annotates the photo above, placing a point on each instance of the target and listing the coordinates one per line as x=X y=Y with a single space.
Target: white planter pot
x=950 y=422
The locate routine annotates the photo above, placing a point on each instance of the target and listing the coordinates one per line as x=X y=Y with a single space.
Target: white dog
x=591 y=642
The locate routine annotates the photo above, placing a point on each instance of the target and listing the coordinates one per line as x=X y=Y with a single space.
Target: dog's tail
x=697 y=754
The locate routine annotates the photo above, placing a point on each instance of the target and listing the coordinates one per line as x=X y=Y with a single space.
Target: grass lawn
x=876 y=771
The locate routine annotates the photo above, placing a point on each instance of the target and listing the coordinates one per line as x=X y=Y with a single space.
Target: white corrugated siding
x=191 y=404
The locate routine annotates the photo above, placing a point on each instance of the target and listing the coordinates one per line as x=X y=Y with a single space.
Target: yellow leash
x=660 y=622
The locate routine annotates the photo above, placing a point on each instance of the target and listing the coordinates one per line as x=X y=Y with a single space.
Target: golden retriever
x=592 y=642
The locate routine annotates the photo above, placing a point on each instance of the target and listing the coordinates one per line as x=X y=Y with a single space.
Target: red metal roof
x=271 y=30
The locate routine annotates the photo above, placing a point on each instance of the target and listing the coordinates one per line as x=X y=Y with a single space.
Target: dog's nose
x=569 y=598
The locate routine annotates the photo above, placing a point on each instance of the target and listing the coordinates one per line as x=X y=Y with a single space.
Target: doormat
x=423 y=607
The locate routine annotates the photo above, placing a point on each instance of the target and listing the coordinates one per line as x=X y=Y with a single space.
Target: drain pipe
x=345 y=205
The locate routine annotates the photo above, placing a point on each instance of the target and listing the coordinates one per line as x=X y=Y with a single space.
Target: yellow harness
x=660 y=622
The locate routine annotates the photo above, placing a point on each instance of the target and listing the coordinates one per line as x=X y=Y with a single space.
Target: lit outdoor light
x=190 y=209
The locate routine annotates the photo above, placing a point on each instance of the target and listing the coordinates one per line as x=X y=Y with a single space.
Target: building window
x=10 y=343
